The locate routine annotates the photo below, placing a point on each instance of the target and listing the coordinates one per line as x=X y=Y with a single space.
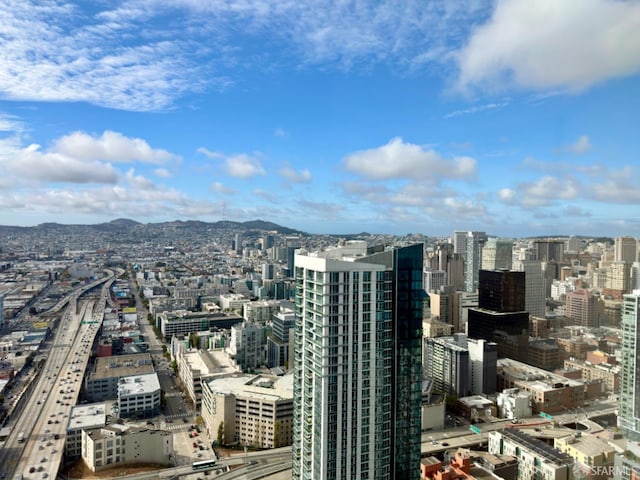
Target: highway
x=44 y=418
x=253 y=465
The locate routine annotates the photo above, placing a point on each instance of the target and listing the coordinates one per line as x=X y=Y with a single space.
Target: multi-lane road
x=36 y=444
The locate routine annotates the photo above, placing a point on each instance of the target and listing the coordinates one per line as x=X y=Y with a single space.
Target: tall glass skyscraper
x=357 y=363
x=629 y=411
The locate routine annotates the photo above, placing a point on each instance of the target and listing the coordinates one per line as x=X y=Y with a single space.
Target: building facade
x=629 y=411
x=251 y=410
x=497 y=255
x=120 y=445
x=357 y=404
x=139 y=396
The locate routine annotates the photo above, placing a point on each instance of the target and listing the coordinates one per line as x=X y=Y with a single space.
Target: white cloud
x=240 y=165
x=112 y=147
x=244 y=166
x=477 y=109
x=280 y=133
x=547 y=189
x=221 y=188
x=398 y=159
x=128 y=55
x=293 y=176
x=582 y=145
x=551 y=44
x=162 y=173
x=507 y=195
x=32 y=163
x=139 y=181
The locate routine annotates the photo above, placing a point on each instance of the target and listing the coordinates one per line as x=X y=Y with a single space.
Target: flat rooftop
x=264 y=387
x=88 y=416
x=138 y=384
x=122 y=366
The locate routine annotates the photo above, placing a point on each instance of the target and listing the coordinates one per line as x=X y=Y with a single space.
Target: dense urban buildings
x=260 y=348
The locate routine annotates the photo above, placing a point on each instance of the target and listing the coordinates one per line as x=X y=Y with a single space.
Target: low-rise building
x=120 y=445
x=605 y=372
x=594 y=456
x=536 y=459
x=82 y=417
x=182 y=322
x=139 y=396
x=249 y=409
x=198 y=366
x=514 y=403
x=102 y=383
x=550 y=392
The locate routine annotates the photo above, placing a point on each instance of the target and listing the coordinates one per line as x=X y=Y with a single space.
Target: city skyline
x=508 y=117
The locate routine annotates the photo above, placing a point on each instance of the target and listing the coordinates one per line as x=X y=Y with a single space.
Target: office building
x=473 y=260
x=625 y=249
x=139 y=396
x=549 y=250
x=444 y=259
x=182 y=322
x=254 y=410
x=500 y=305
x=629 y=411
x=634 y=277
x=237 y=243
x=102 y=383
x=582 y=307
x=618 y=279
x=573 y=245
x=268 y=271
x=434 y=279
x=358 y=331
x=441 y=302
x=497 y=255
x=460 y=242
x=534 y=286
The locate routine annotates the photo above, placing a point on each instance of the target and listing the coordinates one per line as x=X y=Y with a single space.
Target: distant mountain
x=263 y=225
x=122 y=225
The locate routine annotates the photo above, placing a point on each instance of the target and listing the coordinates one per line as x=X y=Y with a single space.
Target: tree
x=220 y=433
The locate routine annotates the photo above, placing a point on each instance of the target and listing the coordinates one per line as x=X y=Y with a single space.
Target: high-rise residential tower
x=357 y=336
x=629 y=411
x=473 y=259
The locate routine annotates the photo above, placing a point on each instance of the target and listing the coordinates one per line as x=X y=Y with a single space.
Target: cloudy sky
x=510 y=116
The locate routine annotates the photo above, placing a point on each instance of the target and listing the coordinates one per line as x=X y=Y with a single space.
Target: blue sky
x=510 y=116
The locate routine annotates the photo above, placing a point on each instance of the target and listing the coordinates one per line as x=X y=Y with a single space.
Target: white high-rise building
x=247 y=346
x=497 y=255
x=473 y=260
x=460 y=242
x=629 y=411
x=357 y=363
